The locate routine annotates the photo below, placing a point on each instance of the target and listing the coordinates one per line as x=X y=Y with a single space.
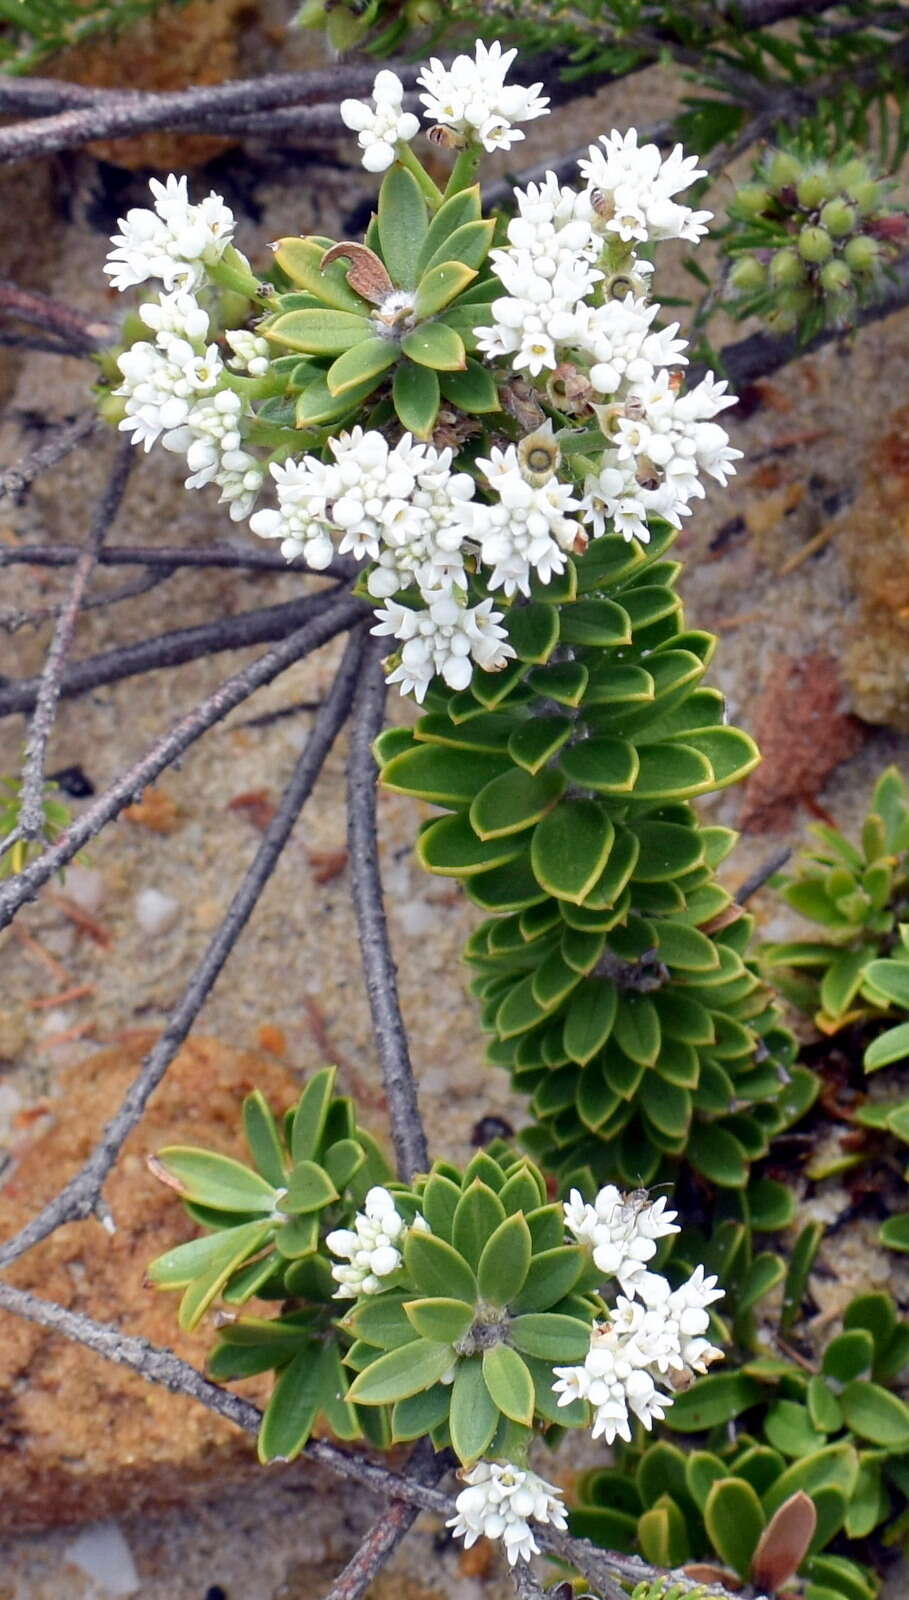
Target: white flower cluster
x=655 y=1338
x=622 y=1230
x=470 y=97
x=174 y=242
x=500 y=1502
x=176 y=388
x=381 y=125
x=657 y=441
x=370 y=1247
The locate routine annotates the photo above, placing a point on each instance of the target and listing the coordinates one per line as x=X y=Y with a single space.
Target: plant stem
x=464 y=171
x=431 y=192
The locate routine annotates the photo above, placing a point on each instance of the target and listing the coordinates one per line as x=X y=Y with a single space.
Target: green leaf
x=440 y=284
x=895 y=1232
x=437 y=1269
x=823 y=1407
x=702 y=1470
x=468 y=244
x=317 y=404
x=400 y=1373
x=473 y=1415
x=570 y=848
x=717 y=1154
x=416 y=398
x=299 y=1236
x=836 y=1464
x=533 y=630
x=296 y=1401
x=672 y=772
x=402 y=225
x=875 y=1414
x=891 y=979
x=735 y=1520
x=504 y=1262
x=381 y=1320
x=610 y=766
x=800 y=1263
x=465 y=206
x=686 y=949
x=420 y=1413
x=263 y=1139
x=842 y=981
x=364 y=361
x=849 y=1355
x=309 y=1188
x=551 y=1336
x=716 y=1399
x=319 y=333
x=442 y=1320
x=666 y=850
x=589 y=1019
x=301 y=260
x=890 y=1046
x=513 y=801
x=509 y=1383
x=473 y=390
x=787 y=1427
x=478 y=1213
x=552 y=1275
x=200 y=1293
x=662 y=1534
x=213 y=1180
x=200 y=1257
x=534 y=743
x=446 y=776
x=434 y=344
x=637 y=1029
x=597 y=623
x=450 y=848
x=311 y=1115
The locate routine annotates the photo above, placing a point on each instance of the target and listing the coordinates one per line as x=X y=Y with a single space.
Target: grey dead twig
x=31 y=817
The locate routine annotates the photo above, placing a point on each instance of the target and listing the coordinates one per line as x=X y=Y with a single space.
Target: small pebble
x=417 y=918
x=85 y=885
x=102 y=1553
x=155 y=912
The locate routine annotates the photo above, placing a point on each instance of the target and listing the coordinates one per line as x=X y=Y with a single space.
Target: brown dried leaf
x=784 y=1542
x=367 y=274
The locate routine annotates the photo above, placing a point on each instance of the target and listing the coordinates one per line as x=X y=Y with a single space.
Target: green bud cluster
x=55 y=816
x=810 y=240
x=780 y=1462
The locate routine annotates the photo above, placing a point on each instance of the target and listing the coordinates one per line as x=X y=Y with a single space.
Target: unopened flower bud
x=748 y=273
x=836 y=278
x=814 y=188
x=838 y=217
x=867 y=196
x=619 y=285
x=784 y=169
x=815 y=245
x=786 y=268
x=753 y=199
x=862 y=254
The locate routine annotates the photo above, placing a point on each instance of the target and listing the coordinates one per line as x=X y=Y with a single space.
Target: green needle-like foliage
x=785 y=1468
x=33 y=30
x=613 y=969
x=55 y=816
x=857 y=976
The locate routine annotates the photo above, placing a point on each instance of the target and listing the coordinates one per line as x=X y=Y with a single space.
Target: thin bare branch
x=80 y=1196
x=252 y=559
x=758 y=878
x=324 y=626
x=114 y=115
x=173 y=649
x=366 y=887
x=386 y=1534
x=82 y=333
x=31 y=817
x=16 y=479
x=526 y=1584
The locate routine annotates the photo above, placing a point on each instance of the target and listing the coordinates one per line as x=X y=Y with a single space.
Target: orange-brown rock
x=193 y=44
x=873 y=539
x=79 y=1437
x=804 y=731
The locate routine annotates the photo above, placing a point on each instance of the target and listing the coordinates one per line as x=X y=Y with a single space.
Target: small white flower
x=370 y=1247
x=639 y=183
x=174 y=242
x=472 y=97
x=444 y=639
x=380 y=126
x=500 y=1502
x=250 y=351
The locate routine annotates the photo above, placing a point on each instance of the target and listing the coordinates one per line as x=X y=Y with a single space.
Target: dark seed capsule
x=72 y=781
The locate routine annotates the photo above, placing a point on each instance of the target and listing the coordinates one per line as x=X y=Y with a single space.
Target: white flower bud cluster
x=500 y=1502
x=655 y=1338
x=472 y=98
x=174 y=242
x=371 y=1247
x=381 y=125
x=622 y=1230
x=526 y=530
x=160 y=384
